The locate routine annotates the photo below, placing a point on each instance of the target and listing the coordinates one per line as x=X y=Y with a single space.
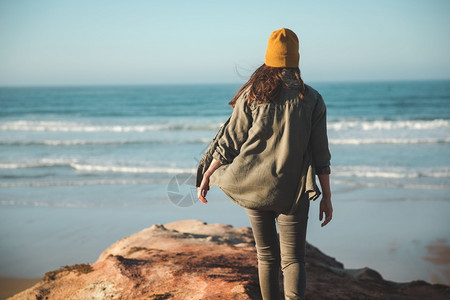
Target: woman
x=266 y=157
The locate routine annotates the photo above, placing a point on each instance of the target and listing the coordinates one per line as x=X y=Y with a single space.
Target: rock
x=193 y=260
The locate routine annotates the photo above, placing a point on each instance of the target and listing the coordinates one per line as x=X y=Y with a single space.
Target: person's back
x=273 y=169
x=266 y=159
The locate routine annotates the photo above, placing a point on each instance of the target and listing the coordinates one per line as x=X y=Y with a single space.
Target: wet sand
x=11 y=286
x=438 y=254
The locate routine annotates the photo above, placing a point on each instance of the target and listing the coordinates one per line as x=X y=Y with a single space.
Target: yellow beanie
x=282 y=49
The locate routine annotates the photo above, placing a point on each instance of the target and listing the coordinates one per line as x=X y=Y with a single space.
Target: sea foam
x=339 y=125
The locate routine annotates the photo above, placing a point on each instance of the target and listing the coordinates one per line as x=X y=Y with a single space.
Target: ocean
x=81 y=167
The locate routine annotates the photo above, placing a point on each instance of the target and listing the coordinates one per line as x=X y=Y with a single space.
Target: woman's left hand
x=203 y=189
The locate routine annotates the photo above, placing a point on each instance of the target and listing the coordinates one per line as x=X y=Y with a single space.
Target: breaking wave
x=339 y=125
x=343 y=125
x=61 y=126
x=390 y=172
x=354 y=141
x=59 y=143
x=95 y=168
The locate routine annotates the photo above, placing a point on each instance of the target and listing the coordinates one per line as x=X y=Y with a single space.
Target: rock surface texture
x=193 y=260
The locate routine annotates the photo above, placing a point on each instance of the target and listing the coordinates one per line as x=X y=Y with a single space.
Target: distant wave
x=333 y=141
x=388 y=141
x=96 y=168
x=343 y=141
x=392 y=185
x=101 y=142
x=390 y=172
x=37 y=184
x=340 y=125
x=48 y=204
x=61 y=126
x=80 y=182
x=339 y=171
x=45 y=163
x=124 y=169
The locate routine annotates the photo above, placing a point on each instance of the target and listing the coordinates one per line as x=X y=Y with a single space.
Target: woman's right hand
x=325 y=208
x=203 y=189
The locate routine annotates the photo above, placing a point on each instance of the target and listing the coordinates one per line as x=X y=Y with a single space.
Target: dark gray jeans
x=287 y=251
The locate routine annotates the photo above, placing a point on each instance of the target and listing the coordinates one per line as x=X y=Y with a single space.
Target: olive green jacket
x=271 y=152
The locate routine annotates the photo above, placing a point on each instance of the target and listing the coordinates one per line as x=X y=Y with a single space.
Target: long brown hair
x=265 y=85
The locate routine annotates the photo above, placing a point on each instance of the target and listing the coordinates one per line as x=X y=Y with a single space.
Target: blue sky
x=54 y=42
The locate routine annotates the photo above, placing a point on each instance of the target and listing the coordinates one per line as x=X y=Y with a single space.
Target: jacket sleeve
x=319 y=139
x=236 y=133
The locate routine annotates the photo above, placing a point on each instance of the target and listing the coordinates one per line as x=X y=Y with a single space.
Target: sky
x=116 y=42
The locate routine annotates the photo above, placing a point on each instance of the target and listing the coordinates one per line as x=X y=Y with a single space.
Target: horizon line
x=85 y=85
